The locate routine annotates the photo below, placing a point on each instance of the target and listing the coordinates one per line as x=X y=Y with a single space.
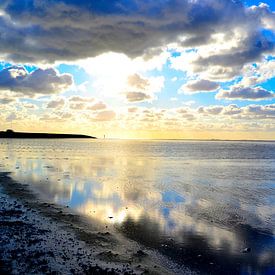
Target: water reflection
x=199 y=203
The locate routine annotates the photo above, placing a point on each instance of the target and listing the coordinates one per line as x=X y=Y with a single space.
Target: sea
x=208 y=205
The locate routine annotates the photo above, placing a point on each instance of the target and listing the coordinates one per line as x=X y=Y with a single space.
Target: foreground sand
x=43 y=238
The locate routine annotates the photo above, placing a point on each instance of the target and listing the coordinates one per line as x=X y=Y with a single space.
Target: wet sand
x=43 y=238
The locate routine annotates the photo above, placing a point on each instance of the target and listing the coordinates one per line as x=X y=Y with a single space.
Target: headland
x=21 y=135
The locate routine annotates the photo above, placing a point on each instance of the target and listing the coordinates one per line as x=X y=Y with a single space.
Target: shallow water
x=200 y=203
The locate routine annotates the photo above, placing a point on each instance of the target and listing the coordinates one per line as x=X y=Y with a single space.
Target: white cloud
x=189 y=103
x=115 y=74
x=173 y=99
x=174 y=79
x=257 y=73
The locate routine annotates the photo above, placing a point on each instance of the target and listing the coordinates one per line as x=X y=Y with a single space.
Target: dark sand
x=42 y=238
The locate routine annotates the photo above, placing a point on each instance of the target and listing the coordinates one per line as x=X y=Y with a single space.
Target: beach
x=43 y=238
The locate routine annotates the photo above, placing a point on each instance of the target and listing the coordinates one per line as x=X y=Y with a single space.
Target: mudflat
x=39 y=237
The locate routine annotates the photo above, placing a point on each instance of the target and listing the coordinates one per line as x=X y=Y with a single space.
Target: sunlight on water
x=183 y=198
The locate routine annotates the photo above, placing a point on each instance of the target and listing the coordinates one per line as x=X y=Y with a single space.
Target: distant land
x=13 y=134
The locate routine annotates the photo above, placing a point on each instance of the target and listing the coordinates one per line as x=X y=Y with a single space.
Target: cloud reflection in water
x=197 y=202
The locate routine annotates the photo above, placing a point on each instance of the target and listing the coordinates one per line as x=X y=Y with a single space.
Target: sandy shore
x=42 y=238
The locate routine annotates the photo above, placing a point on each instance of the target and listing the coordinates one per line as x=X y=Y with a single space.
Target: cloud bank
x=48 y=31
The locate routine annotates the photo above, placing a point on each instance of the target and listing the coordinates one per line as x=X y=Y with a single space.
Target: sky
x=162 y=69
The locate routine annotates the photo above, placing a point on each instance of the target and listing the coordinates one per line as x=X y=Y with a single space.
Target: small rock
x=246 y=250
x=141 y=253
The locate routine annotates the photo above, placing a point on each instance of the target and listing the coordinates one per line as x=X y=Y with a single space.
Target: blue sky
x=139 y=69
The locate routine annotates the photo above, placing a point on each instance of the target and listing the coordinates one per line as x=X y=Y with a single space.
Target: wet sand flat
x=208 y=206
x=43 y=238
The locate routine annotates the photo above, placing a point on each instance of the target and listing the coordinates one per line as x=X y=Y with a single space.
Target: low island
x=13 y=134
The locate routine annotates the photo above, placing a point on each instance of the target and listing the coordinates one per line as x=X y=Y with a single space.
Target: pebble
x=246 y=250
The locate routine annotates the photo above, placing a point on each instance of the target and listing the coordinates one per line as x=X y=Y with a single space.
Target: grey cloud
x=40 y=81
x=104 y=116
x=68 y=30
x=188 y=116
x=241 y=93
x=136 y=81
x=11 y=117
x=200 y=85
x=81 y=99
x=142 y=89
x=186 y=113
x=66 y=115
x=218 y=72
x=194 y=41
x=56 y=103
x=183 y=110
x=6 y=100
x=250 y=49
x=132 y=109
x=81 y=103
x=265 y=111
x=77 y=106
x=231 y=109
x=247 y=113
x=212 y=110
x=29 y=106
x=97 y=106
x=137 y=96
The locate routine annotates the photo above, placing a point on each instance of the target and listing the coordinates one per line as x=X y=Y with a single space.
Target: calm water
x=200 y=203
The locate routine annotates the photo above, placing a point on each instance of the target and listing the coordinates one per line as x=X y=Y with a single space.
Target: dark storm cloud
x=46 y=31
x=40 y=81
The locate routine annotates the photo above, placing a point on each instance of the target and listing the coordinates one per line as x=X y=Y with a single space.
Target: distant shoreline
x=190 y=139
x=26 y=135
x=239 y=140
